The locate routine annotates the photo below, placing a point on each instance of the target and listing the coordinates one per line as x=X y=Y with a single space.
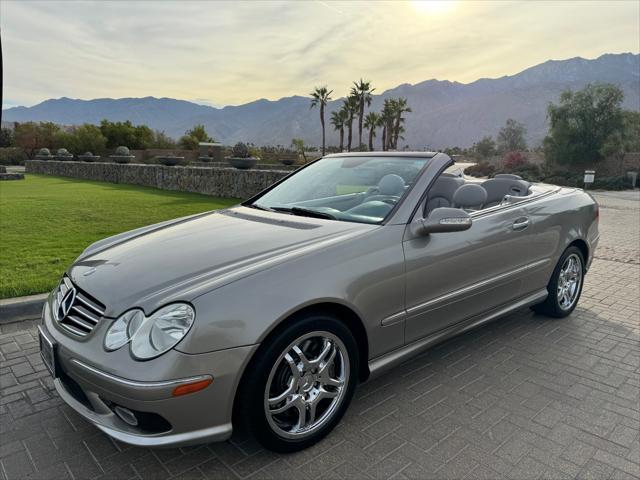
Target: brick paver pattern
x=524 y=397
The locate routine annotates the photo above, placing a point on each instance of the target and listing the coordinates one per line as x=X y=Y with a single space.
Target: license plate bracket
x=47 y=352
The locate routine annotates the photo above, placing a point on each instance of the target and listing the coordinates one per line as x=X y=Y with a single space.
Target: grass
x=46 y=222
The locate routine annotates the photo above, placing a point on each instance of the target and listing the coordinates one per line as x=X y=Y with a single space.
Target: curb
x=21 y=308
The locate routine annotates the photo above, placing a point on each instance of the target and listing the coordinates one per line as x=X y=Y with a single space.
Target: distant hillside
x=444 y=113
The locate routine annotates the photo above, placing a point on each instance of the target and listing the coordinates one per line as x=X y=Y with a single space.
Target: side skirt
x=382 y=364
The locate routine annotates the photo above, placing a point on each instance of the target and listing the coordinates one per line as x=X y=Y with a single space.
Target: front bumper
x=84 y=383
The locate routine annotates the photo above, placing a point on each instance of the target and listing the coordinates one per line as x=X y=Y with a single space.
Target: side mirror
x=444 y=219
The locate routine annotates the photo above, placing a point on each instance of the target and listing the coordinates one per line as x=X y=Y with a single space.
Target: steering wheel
x=390 y=199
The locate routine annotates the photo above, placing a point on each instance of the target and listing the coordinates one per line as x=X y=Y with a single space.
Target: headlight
x=151 y=337
x=123 y=329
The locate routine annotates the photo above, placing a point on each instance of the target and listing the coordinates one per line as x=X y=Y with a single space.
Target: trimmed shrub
x=12 y=156
x=514 y=160
x=240 y=150
x=481 y=169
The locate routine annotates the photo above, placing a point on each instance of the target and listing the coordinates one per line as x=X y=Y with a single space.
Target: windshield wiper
x=260 y=207
x=304 y=212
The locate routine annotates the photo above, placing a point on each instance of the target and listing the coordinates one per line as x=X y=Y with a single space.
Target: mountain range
x=444 y=113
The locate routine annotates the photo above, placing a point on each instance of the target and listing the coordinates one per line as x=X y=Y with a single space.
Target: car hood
x=182 y=259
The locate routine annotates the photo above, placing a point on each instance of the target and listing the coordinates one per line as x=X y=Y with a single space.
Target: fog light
x=126 y=415
x=191 y=387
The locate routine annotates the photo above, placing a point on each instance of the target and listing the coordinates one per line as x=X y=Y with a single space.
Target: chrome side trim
x=380 y=365
x=395 y=318
x=133 y=383
x=475 y=286
x=485 y=212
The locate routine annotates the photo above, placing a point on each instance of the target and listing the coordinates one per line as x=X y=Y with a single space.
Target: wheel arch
x=583 y=247
x=347 y=315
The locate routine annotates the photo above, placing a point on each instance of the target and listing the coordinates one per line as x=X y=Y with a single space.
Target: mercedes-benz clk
x=268 y=314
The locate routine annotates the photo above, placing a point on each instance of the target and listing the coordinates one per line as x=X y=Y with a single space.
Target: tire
x=562 y=298
x=273 y=399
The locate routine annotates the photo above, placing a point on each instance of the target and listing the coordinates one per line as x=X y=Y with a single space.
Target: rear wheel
x=565 y=285
x=299 y=384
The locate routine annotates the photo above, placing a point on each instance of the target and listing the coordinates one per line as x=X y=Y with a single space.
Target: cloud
x=224 y=53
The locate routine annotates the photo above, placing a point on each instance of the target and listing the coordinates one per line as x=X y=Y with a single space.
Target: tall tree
x=581 y=123
x=485 y=148
x=199 y=133
x=338 y=120
x=350 y=106
x=320 y=97
x=511 y=137
x=371 y=121
x=401 y=106
x=387 y=119
x=623 y=140
x=362 y=92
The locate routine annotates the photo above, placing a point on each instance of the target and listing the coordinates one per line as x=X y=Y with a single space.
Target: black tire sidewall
x=251 y=398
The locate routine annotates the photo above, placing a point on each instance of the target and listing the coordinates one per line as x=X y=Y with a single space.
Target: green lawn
x=46 y=222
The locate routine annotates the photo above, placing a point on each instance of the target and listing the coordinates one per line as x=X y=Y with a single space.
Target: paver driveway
x=524 y=397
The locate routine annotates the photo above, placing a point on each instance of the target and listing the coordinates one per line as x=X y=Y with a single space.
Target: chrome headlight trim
x=150 y=337
x=122 y=330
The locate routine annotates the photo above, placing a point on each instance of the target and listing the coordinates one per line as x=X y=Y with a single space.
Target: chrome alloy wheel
x=306 y=385
x=569 y=281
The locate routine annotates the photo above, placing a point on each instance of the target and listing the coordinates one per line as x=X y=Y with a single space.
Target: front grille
x=75 y=310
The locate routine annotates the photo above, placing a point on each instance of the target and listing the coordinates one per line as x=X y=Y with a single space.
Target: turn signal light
x=191 y=387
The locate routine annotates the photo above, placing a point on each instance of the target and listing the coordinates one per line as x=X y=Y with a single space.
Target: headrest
x=508 y=175
x=391 y=184
x=470 y=195
x=445 y=186
x=505 y=186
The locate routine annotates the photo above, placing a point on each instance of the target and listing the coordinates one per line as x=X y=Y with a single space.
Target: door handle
x=521 y=223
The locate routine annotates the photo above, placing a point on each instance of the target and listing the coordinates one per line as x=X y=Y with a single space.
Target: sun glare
x=432 y=6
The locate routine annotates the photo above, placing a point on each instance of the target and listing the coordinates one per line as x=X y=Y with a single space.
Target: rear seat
x=499 y=187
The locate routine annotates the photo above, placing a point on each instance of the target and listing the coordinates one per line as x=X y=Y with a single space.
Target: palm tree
x=320 y=96
x=362 y=92
x=350 y=106
x=371 y=121
x=338 y=120
x=401 y=106
x=387 y=119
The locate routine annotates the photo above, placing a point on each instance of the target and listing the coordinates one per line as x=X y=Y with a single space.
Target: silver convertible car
x=268 y=314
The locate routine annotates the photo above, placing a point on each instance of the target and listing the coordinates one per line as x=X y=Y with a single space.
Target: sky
x=228 y=53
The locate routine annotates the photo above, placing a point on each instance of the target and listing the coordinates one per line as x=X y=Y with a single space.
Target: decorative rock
x=88 y=157
x=122 y=155
x=44 y=154
x=63 y=155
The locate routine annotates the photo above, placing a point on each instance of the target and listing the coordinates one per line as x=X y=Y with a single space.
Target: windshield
x=357 y=189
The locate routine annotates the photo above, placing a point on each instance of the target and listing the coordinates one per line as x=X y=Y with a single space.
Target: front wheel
x=565 y=285
x=300 y=384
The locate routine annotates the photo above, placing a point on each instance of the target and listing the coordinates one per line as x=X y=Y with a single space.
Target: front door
x=453 y=276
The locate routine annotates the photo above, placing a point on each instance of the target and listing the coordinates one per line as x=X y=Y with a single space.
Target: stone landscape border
x=216 y=181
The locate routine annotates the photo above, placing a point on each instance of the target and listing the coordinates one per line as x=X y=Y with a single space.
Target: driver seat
x=391 y=185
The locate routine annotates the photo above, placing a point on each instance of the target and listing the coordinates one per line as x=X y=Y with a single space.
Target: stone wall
x=218 y=182
x=148 y=155
x=259 y=166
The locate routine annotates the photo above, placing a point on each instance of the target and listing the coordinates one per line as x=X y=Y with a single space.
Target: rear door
x=453 y=276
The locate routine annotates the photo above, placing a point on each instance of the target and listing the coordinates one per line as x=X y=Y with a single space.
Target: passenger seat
x=441 y=193
x=470 y=197
x=499 y=187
